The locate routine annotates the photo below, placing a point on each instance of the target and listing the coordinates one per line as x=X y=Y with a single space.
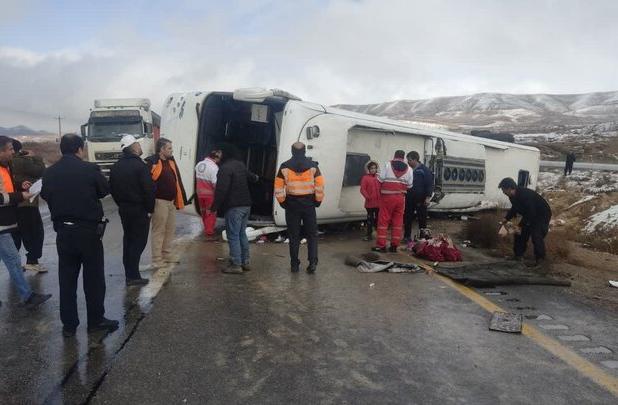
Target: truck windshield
x=112 y=130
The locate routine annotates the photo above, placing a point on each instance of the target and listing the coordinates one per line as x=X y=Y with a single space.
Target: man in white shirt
x=206 y=176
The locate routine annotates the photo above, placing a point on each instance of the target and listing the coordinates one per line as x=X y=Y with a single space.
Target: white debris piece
x=583 y=200
x=603 y=221
x=613 y=283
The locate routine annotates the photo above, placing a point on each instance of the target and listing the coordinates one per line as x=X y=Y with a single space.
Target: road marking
x=574 y=338
x=588 y=369
x=547 y=326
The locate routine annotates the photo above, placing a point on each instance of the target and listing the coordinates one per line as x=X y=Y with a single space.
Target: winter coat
x=130 y=183
x=422 y=185
x=299 y=183
x=533 y=208
x=154 y=166
x=232 y=188
x=370 y=187
x=73 y=190
x=26 y=167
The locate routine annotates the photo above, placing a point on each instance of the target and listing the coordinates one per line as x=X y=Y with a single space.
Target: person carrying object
x=535 y=216
x=233 y=199
x=11 y=194
x=395 y=180
x=132 y=189
x=370 y=190
x=299 y=189
x=73 y=190
x=30 y=231
x=206 y=182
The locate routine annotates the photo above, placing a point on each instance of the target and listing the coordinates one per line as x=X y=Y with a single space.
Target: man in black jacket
x=73 y=189
x=133 y=190
x=417 y=197
x=29 y=168
x=232 y=197
x=535 y=216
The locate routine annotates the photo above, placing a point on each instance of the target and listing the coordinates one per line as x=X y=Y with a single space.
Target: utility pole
x=59 y=118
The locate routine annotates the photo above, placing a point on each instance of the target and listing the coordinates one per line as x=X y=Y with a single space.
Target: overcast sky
x=57 y=56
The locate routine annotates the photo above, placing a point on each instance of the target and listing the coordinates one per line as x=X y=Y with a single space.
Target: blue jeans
x=11 y=259
x=235 y=225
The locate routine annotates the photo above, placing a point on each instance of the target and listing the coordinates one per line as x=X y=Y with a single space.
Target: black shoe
x=312 y=268
x=68 y=332
x=515 y=258
x=379 y=249
x=136 y=281
x=105 y=324
x=392 y=249
x=295 y=269
x=36 y=299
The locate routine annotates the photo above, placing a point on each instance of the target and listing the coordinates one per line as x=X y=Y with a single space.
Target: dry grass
x=49 y=151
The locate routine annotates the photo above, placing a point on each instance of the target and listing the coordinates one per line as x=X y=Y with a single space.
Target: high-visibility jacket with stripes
x=395 y=178
x=305 y=187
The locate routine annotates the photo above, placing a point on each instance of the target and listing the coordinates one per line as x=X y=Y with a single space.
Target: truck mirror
x=84 y=131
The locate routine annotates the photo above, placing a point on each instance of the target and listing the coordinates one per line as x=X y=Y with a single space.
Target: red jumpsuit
x=206 y=175
x=395 y=179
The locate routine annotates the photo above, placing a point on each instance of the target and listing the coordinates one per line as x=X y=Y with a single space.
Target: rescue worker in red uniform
x=395 y=179
x=299 y=189
x=206 y=176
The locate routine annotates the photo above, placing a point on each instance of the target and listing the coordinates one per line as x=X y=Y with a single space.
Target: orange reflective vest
x=7 y=180
x=289 y=182
x=156 y=171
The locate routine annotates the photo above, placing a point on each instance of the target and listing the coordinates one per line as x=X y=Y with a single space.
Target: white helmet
x=127 y=140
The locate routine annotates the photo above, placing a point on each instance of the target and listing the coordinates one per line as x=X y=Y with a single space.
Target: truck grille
x=107 y=155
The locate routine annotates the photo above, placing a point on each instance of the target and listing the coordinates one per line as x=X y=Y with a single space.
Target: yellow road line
x=588 y=369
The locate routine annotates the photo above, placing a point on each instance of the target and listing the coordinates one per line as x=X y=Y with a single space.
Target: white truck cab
x=110 y=119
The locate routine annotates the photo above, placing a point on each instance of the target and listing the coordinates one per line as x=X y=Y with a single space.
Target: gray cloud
x=331 y=52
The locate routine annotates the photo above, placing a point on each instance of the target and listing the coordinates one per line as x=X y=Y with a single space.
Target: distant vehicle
x=110 y=119
x=264 y=124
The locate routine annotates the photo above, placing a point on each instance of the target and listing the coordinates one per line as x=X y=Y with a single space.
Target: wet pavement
x=269 y=336
x=38 y=364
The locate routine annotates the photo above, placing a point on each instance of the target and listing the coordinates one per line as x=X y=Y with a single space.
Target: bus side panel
x=179 y=123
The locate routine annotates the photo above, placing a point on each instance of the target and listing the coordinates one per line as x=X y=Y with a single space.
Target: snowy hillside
x=517 y=113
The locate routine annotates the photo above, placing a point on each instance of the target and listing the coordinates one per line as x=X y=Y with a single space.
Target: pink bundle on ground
x=439 y=249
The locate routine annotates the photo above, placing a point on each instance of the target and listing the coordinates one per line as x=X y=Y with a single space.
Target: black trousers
x=568 y=168
x=537 y=233
x=135 y=225
x=302 y=219
x=79 y=246
x=415 y=208
x=372 y=220
x=30 y=233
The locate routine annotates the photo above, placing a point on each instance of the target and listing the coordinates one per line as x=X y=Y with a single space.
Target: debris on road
x=438 y=249
x=613 y=283
x=506 y=322
x=377 y=266
x=498 y=273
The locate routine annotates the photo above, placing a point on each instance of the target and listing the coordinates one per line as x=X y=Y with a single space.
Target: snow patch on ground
x=603 y=221
x=590 y=182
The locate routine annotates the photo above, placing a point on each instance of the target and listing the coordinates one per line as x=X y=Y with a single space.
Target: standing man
x=395 y=179
x=417 y=198
x=535 y=216
x=133 y=190
x=169 y=197
x=30 y=168
x=233 y=198
x=73 y=190
x=10 y=196
x=206 y=176
x=568 y=166
x=299 y=189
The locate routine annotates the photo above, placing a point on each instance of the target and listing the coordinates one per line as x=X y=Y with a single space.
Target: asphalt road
x=338 y=336
x=581 y=165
